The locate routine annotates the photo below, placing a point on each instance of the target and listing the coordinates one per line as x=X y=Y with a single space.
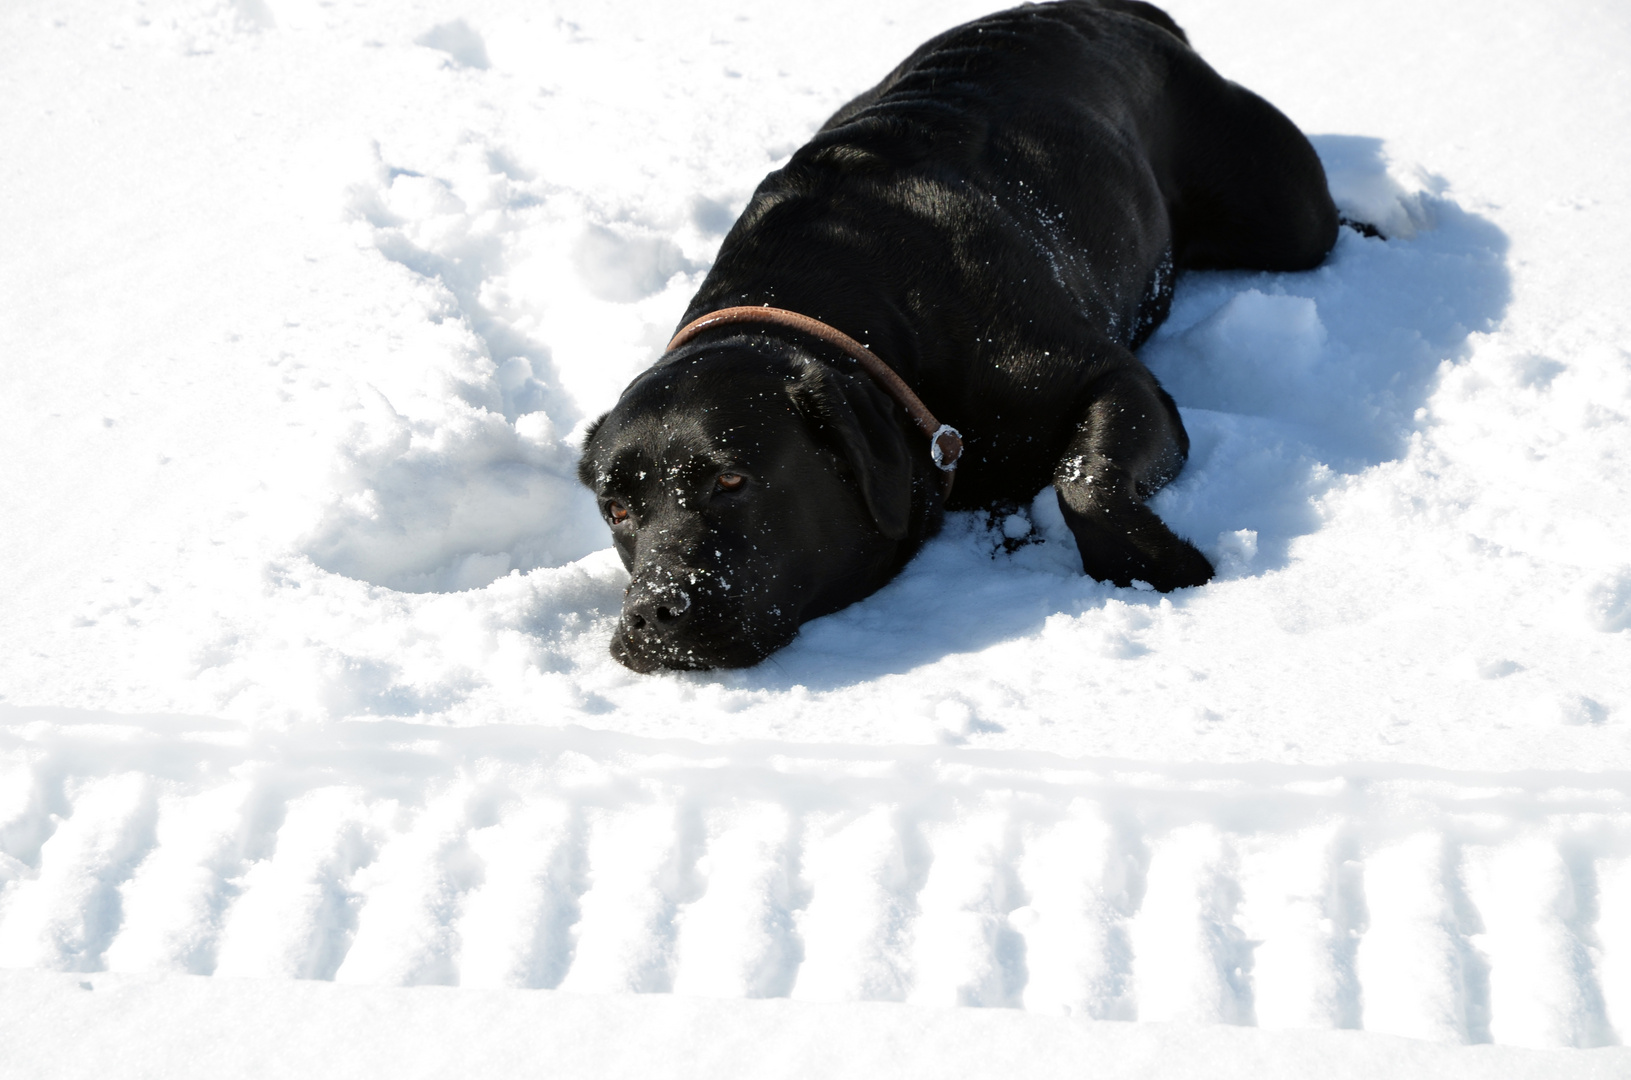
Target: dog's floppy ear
x=857 y=419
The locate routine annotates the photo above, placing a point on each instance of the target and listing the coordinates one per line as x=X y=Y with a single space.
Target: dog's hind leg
x=1149 y=13
x=1243 y=187
x=1127 y=445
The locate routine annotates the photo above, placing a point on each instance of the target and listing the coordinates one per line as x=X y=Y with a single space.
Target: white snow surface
x=303 y=667
x=168 y=1029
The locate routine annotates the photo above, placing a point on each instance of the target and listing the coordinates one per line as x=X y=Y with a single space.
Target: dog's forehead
x=674 y=421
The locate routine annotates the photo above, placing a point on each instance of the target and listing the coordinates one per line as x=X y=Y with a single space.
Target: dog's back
x=980 y=216
x=1001 y=217
x=1055 y=115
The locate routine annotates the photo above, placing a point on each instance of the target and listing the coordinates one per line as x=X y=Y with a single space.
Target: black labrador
x=1000 y=221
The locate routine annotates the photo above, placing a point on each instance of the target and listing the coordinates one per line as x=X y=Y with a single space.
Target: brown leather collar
x=945 y=442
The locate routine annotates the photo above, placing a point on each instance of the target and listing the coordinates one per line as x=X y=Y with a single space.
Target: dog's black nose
x=656 y=608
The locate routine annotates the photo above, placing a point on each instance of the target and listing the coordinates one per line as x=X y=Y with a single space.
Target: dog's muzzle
x=659 y=610
x=652 y=633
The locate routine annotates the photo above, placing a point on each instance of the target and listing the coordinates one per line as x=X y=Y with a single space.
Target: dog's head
x=746 y=493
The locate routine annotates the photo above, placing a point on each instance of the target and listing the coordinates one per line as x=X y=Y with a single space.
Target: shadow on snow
x=1287 y=382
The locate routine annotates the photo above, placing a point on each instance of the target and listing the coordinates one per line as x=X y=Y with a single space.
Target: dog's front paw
x=1125 y=542
x=1182 y=566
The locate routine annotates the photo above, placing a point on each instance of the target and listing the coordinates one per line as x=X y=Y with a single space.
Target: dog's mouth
x=643 y=654
x=680 y=622
x=641 y=649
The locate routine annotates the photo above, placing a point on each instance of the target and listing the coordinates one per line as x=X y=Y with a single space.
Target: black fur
x=1000 y=220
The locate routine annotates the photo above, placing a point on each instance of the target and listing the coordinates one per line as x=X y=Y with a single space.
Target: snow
x=303 y=668
x=144 y=1026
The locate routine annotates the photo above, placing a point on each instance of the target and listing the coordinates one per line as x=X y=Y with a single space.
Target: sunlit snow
x=303 y=664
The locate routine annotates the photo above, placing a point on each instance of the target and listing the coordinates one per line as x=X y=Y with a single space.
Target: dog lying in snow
x=998 y=222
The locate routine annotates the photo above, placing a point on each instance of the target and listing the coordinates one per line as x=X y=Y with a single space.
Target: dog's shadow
x=1287 y=382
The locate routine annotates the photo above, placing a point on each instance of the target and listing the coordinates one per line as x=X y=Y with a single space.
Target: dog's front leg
x=1127 y=445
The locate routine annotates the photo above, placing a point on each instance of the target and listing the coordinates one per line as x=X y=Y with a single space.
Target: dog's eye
x=730 y=481
x=616 y=512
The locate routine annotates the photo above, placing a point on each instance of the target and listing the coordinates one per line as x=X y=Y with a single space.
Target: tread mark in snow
x=1379 y=900
x=64 y=917
x=175 y=900
x=298 y=911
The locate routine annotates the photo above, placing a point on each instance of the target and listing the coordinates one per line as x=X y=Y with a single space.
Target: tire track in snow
x=1542 y=991
x=1190 y=961
x=409 y=897
x=1301 y=906
x=737 y=939
x=174 y=902
x=1413 y=958
x=1613 y=932
x=297 y=913
x=964 y=949
x=863 y=872
x=25 y=820
x=516 y=926
x=64 y=916
x=639 y=868
x=1416 y=902
x=1083 y=883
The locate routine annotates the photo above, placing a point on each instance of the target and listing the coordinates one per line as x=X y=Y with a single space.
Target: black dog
x=999 y=221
